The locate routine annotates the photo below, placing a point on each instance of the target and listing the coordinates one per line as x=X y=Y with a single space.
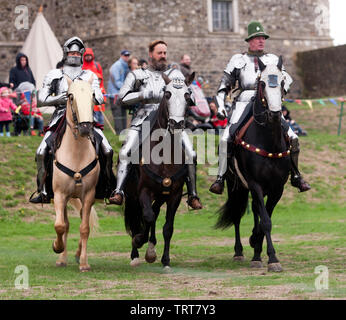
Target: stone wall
x=323 y=72
x=110 y=26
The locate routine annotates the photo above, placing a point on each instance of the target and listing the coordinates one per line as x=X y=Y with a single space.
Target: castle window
x=223 y=15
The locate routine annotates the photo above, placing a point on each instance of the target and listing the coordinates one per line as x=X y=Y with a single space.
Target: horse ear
x=189 y=80
x=279 y=65
x=261 y=65
x=166 y=79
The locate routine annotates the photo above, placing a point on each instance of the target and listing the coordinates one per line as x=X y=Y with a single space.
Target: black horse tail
x=133 y=216
x=233 y=210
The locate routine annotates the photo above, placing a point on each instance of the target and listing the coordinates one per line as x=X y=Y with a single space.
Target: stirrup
x=117 y=197
x=194 y=202
x=40 y=198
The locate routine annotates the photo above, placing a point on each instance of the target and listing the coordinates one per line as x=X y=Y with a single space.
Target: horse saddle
x=106 y=182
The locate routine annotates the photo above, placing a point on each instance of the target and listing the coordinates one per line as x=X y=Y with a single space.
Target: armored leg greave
x=296 y=178
x=40 y=159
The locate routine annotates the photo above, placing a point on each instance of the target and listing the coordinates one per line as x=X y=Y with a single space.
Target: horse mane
x=161 y=114
x=58 y=134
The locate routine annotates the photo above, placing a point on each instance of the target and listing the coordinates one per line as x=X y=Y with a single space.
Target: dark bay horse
x=262 y=164
x=152 y=184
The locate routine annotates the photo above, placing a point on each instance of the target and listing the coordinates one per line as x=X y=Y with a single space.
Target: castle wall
x=110 y=26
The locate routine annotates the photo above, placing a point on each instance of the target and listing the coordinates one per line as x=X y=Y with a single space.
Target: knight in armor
x=243 y=68
x=54 y=93
x=146 y=87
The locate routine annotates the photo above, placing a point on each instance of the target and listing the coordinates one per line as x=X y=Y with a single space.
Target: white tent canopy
x=42 y=48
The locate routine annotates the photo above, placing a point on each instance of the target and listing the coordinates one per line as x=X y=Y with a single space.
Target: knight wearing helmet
x=244 y=69
x=54 y=93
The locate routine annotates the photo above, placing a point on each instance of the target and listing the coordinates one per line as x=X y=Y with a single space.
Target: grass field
x=308 y=231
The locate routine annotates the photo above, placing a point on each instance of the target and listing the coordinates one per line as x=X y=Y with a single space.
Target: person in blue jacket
x=117 y=75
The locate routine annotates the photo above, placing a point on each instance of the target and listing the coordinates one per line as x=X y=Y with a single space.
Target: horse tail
x=93 y=219
x=133 y=215
x=234 y=208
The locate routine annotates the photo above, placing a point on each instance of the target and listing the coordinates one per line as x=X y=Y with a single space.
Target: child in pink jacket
x=6 y=104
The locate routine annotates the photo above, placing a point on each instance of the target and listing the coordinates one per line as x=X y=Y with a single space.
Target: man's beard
x=159 y=65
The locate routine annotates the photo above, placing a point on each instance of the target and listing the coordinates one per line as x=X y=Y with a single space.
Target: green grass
x=308 y=230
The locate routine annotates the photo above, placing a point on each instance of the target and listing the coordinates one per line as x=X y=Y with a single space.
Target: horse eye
x=167 y=95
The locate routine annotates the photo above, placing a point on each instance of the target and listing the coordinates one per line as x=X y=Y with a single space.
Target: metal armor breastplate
x=151 y=80
x=248 y=74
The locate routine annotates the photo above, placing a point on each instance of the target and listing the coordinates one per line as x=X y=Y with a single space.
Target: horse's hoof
x=135 y=262
x=57 y=250
x=84 y=268
x=150 y=255
x=167 y=269
x=238 y=258
x=61 y=264
x=274 y=267
x=256 y=264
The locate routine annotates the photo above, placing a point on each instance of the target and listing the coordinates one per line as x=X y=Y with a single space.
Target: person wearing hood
x=89 y=63
x=21 y=72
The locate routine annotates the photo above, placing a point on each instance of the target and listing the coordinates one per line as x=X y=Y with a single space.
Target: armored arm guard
x=98 y=95
x=128 y=92
x=46 y=96
x=228 y=81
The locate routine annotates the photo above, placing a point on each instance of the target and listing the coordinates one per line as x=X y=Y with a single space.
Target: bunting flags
x=309 y=102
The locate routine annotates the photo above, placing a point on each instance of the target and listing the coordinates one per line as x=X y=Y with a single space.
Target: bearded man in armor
x=54 y=93
x=146 y=87
x=244 y=69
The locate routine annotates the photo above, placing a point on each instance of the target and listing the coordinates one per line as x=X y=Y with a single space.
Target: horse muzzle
x=175 y=126
x=274 y=116
x=85 y=128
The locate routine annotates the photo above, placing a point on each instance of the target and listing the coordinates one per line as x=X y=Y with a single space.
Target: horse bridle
x=260 y=96
x=74 y=116
x=170 y=125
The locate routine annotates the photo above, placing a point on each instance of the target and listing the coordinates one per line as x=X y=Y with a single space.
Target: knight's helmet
x=71 y=45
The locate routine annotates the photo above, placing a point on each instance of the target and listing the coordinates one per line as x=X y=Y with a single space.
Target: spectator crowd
x=18 y=104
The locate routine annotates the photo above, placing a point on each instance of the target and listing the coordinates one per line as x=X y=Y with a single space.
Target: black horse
x=151 y=185
x=261 y=166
